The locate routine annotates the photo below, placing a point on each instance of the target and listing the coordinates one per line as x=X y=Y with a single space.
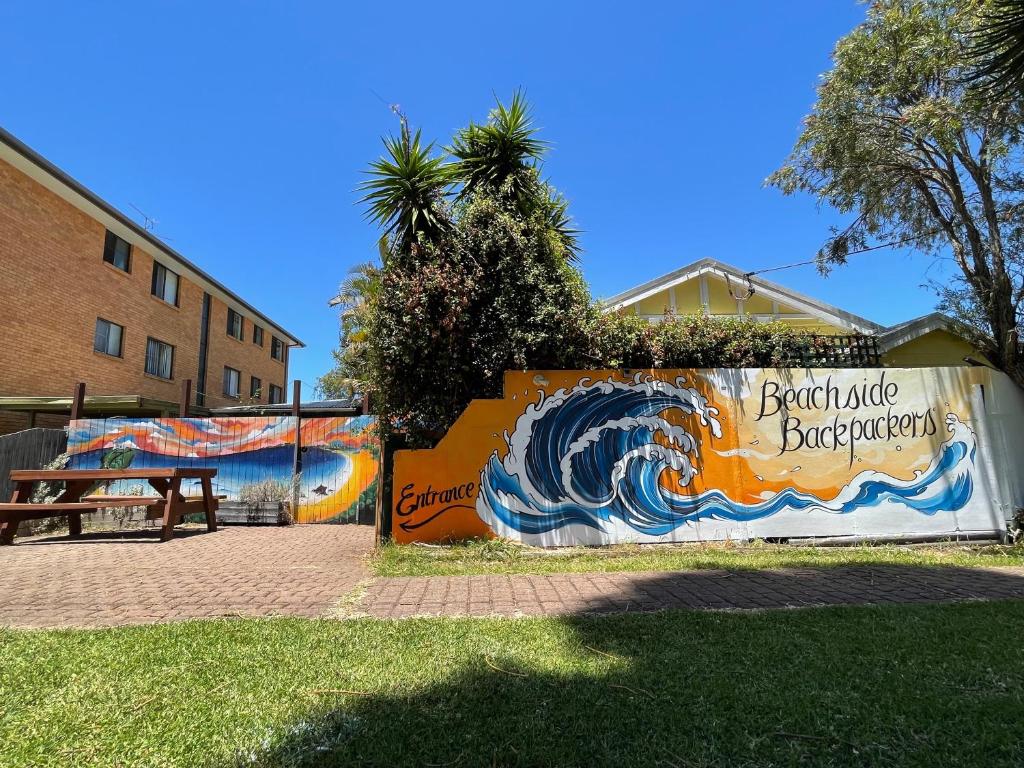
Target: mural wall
x=687 y=455
x=340 y=456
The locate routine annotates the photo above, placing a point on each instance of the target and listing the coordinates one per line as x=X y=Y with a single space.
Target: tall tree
x=501 y=158
x=899 y=139
x=477 y=275
x=405 y=194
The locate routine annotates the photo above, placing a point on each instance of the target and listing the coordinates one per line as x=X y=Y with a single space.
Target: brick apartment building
x=88 y=295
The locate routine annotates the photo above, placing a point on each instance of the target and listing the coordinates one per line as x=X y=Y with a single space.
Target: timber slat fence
x=30 y=449
x=336 y=465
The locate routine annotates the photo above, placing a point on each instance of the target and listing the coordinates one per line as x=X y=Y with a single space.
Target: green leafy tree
x=900 y=140
x=356 y=299
x=476 y=276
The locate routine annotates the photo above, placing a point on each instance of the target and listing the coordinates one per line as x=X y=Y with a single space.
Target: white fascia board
x=837 y=317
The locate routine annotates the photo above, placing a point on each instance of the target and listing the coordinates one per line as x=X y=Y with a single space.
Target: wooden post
x=366 y=403
x=186 y=398
x=297 y=460
x=78 y=401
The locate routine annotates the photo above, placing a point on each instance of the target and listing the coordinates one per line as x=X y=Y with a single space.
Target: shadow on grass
x=912 y=685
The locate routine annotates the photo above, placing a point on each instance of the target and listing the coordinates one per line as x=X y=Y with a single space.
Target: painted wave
x=588 y=456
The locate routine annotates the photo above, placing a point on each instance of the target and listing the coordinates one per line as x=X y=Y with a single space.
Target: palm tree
x=356 y=297
x=499 y=151
x=504 y=155
x=999 y=46
x=556 y=214
x=406 y=195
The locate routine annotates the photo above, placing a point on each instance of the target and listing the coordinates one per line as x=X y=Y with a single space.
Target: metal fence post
x=297 y=460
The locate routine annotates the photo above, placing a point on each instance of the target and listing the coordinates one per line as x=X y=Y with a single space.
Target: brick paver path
x=313 y=570
x=596 y=593
x=104 y=579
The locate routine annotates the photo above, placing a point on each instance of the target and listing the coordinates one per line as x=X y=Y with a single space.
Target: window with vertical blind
x=159 y=358
x=107 y=338
x=232 y=382
x=236 y=327
x=257 y=335
x=276 y=394
x=165 y=284
x=276 y=348
x=255 y=388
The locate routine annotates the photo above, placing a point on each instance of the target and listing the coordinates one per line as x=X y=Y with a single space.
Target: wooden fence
x=30 y=449
x=332 y=463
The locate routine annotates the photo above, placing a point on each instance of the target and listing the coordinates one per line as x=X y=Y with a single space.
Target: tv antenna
x=395 y=109
x=148 y=222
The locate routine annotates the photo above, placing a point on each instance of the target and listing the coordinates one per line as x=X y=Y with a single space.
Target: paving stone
x=105 y=579
x=562 y=594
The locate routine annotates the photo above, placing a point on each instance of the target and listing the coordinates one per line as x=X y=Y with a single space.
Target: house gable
x=714 y=288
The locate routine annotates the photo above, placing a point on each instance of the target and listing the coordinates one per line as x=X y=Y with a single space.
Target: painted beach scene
x=339 y=456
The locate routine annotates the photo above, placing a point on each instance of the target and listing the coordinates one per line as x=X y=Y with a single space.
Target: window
x=255 y=388
x=165 y=284
x=118 y=252
x=159 y=359
x=235 y=325
x=276 y=394
x=257 y=335
x=231 y=382
x=276 y=348
x=108 y=337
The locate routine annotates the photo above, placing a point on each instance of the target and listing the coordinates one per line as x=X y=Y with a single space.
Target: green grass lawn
x=496 y=556
x=908 y=686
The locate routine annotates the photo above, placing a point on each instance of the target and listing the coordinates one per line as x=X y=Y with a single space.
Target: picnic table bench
x=168 y=503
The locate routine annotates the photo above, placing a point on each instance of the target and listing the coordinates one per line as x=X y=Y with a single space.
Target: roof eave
x=824 y=311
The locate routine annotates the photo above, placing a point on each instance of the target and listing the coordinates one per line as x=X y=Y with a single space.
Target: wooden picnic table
x=168 y=504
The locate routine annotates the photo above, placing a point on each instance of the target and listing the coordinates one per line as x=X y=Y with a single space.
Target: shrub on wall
x=698 y=341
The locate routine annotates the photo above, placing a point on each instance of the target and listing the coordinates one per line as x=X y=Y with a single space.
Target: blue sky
x=243 y=128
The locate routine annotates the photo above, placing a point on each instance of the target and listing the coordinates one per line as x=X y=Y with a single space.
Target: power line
x=880 y=246
x=868 y=249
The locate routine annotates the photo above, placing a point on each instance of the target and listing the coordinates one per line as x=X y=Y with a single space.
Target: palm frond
x=498 y=150
x=556 y=214
x=999 y=47
x=405 y=195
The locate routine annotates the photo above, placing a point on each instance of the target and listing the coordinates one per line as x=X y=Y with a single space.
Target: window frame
x=238 y=383
x=157 y=266
x=271 y=400
x=145 y=364
x=274 y=344
x=255 y=388
x=110 y=242
x=232 y=314
x=120 y=340
x=257 y=330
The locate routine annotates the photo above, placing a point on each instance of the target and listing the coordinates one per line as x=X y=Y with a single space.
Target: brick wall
x=245 y=356
x=54 y=284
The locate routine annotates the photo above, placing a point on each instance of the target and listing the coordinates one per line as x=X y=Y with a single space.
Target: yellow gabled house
x=718 y=289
